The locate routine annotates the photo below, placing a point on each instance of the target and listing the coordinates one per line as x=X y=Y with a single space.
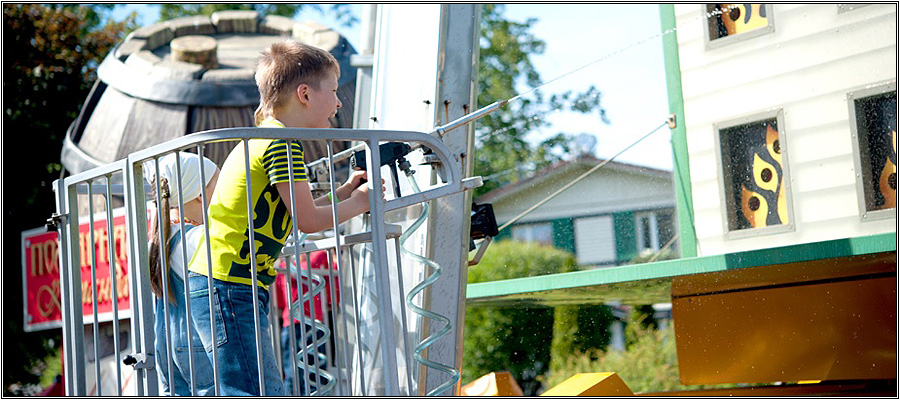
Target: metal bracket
x=671 y=121
x=139 y=361
x=52 y=224
x=481 y=249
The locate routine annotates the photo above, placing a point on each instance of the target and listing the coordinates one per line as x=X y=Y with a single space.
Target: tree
x=52 y=52
x=505 y=49
x=514 y=339
x=340 y=11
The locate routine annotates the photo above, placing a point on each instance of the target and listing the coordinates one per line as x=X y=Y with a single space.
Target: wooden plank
x=103 y=131
x=152 y=123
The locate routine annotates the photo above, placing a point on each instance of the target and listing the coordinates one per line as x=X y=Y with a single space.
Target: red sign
x=41 y=280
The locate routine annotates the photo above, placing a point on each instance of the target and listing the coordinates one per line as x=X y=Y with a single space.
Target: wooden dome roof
x=145 y=96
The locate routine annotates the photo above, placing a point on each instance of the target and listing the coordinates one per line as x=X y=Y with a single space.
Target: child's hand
x=356 y=179
x=361 y=192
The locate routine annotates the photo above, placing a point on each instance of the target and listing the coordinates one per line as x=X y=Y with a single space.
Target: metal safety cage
x=337 y=372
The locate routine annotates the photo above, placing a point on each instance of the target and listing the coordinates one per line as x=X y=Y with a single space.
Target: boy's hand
x=356 y=178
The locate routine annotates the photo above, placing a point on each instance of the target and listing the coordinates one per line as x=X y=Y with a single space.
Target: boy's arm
x=313 y=218
x=343 y=192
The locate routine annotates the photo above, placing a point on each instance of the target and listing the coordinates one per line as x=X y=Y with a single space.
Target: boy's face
x=324 y=103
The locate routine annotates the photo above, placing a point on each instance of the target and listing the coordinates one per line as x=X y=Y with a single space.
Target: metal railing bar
x=405 y=333
x=252 y=262
x=229 y=134
x=94 y=290
x=292 y=337
x=110 y=188
x=290 y=304
x=308 y=298
x=391 y=231
x=210 y=286
x=355 y=290
x=164 y=260
x=185 y=260
x=136 y=228
x=113 y=282
x=430 y=194
x=94 y=173
x=376 y=207
x=337 y=244
x=77 y=308
x=67 y=350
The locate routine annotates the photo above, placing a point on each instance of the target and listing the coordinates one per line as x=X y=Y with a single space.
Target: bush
x=514 y=339
x=649 y=363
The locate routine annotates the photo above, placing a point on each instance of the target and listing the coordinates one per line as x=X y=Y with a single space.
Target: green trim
x=504 y=234
x=564 y=234
x=626 y=241
x=681 y=174
x=627 y=276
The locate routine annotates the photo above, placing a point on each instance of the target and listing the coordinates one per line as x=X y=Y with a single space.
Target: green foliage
x=514 y=339
x=577 y=329
x=52 y=55
x=510 y=259
x=52 y=368
x=649 y=363
x=504 y=153
x=340 y=11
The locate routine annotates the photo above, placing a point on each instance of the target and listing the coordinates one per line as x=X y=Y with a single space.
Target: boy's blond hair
x=284 y=66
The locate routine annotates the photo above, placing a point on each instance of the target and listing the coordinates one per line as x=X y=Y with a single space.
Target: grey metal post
x=142 y=318
x=448 y=245
x=382 y=272
x=66 y=260
x=363 y=62
x=113 y=282
x=76 y=317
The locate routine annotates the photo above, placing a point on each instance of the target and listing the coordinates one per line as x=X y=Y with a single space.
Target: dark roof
x=584 y=161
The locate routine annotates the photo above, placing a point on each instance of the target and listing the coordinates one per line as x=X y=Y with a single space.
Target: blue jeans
x=178 y=331
x=236 y=335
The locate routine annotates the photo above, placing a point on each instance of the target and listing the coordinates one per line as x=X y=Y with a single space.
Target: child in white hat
x=168 y=239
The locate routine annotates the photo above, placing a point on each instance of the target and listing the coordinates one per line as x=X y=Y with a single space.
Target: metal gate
x=375 y=269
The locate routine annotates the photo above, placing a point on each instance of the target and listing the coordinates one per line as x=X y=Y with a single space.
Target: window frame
x=863 y=92
x=725 y=195
x=530 y=226
x=711 y=43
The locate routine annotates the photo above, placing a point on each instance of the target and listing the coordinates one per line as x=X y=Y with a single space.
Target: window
x=653 y=230
x=755 y=182
x=538 y=233
x=727 y=23
x=873 y=115
x=595 y=240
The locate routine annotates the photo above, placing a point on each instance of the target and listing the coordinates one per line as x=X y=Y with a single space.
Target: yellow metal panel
x=493 y=384
x=591 y=384
x=831 y=329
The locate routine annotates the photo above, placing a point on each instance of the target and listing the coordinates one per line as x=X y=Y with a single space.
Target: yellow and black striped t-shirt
x=229 y=223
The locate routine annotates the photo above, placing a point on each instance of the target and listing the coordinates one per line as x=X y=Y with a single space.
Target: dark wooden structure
x=145 y=96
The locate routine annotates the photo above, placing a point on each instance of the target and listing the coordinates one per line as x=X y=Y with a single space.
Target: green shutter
x=626 y=242
x=564 y=234
x=504 y=234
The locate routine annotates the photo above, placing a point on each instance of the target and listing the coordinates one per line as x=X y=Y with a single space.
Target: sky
x=609 y=39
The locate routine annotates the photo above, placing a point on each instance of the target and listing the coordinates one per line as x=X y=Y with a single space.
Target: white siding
x=603 y=192
x=595 y=241
x=806 y=67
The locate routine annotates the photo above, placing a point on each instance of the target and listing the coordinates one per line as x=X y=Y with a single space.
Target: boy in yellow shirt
x=298 y=88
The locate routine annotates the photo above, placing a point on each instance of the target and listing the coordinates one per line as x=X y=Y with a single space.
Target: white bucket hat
x=190 y=174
